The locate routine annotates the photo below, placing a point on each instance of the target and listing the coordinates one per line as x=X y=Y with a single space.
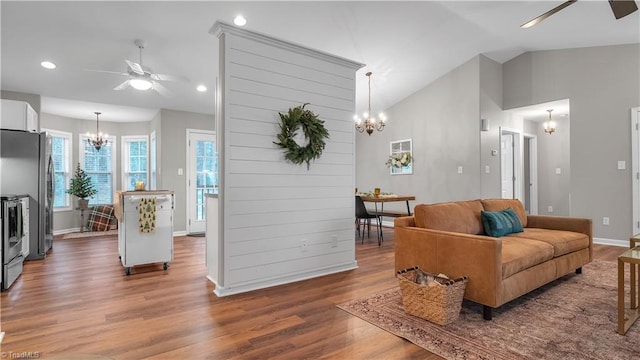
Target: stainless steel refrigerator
x=26 y=167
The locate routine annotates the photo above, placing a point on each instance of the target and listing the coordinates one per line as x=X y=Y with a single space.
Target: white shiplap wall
x=281 y=222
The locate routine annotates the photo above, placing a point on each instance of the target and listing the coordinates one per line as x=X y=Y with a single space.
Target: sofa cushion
x=500 y=223
x=459 y=216
x=563 y=242
x=519 y=254
x=501 y=204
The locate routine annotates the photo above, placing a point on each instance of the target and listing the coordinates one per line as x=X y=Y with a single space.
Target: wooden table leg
x=620 y=297
x=633 y=301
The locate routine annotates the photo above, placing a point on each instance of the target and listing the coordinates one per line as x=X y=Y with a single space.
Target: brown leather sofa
x=449 y=238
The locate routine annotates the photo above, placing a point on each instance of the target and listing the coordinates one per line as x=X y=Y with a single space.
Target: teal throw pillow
x=501 y=223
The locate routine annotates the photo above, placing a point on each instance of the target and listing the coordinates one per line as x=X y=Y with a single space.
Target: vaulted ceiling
x=405 y=44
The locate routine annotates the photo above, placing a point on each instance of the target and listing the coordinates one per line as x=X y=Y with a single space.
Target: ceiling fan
x=142 y=77
x=620 y=8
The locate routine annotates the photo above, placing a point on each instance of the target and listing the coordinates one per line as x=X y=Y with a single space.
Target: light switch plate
x=487 y=169
x=622 y=165
x=558 y=171
x=459 y=169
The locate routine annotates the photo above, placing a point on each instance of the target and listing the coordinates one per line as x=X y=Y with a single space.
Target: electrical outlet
x=487 y=169
x=334 y=241
x=549 y=208
x=304 y=245
x=605 y=221
x=459 y=169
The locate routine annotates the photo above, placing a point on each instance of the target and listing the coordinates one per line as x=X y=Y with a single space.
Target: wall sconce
x=484 y=124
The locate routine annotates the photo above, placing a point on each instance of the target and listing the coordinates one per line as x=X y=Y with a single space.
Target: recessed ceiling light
x=140 y=84
x=201 y=88
x=240 y=20
x=48 y=65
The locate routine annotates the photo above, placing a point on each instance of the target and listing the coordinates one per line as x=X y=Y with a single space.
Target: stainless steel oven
x=12 y=234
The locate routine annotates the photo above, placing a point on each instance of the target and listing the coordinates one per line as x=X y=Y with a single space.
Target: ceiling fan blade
x=108 y=72
x=122 y=86
x=135 y=67
x=165 y=77
x=162 y=90
x=622 y=8
x=540 y=18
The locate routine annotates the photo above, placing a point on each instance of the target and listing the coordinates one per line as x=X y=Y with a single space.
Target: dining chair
x=363 y=216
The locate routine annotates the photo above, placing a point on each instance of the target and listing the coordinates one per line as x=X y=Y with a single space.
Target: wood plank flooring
x=78 y=304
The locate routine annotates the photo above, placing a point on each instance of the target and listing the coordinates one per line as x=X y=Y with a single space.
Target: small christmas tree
x=81 y=185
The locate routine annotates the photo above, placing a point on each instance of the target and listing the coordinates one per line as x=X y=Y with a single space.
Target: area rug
x=86 y=234
x=574 y=317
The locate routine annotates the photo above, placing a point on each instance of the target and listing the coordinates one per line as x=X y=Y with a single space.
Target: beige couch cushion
x=519 y=254
x=460 y=216
x=501 y=204
x=562 y=241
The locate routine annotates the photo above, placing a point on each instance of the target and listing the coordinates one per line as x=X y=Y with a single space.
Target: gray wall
x=491 y=110
x=602 y=84
x=443 y=121
x=554 y=152
x=172 y=154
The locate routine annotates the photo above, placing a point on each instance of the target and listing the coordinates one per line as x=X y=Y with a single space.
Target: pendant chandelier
x=370 y=122
x=549 y=125
x=97 y=140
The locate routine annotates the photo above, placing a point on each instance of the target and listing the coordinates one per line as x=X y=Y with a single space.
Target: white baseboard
x=180 y=233
x=613 y=242
x=221 y=291
x=65 y=231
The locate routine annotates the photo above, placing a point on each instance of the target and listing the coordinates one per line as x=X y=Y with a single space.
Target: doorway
x=635 y=159
x=519 y=168
x=202 y=171
x=530 y=176
x=510 y=164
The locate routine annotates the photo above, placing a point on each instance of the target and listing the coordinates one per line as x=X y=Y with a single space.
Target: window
x=134 y=161
x=100 y=165
x=62 y=169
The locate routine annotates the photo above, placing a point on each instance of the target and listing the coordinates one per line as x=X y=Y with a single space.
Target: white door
x=506 y=165
x=202 y=176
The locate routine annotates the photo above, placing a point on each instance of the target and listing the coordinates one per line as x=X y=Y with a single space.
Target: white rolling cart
x=139 y=248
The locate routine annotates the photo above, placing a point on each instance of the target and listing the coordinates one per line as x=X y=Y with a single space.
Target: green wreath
x=313 y=129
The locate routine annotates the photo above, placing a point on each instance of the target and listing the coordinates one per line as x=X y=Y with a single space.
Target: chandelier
x=549 y=125
x=370 y=122
x=97 y=140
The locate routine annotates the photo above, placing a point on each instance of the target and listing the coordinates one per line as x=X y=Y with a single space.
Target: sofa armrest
x=566 y=223
x=404 y=221
x=454 y=254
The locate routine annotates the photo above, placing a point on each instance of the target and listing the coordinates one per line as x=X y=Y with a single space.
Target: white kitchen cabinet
x=18 y=115
x=139 y=248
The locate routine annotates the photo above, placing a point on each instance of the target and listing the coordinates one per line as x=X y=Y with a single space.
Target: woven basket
x=440 y=304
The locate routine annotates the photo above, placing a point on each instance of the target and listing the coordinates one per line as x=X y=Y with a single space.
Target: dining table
x=382 y=199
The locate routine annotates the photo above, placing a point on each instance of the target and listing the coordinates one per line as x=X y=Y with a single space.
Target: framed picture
x=400 y=160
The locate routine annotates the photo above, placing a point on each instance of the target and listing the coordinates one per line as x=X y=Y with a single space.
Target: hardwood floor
x=78 y=304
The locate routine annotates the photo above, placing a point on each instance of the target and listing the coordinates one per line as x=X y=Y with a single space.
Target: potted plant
x=81 y=187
